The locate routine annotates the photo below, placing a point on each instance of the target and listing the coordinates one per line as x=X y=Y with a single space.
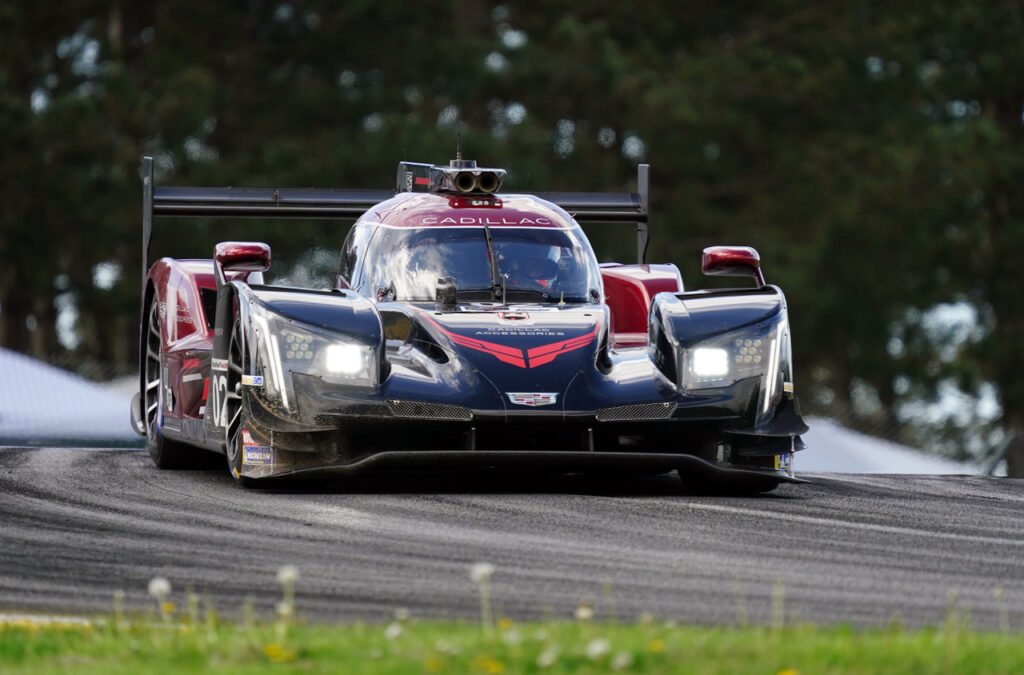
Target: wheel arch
x=147 y=301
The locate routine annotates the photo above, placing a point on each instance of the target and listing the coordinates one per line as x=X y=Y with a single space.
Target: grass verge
x=112 y=646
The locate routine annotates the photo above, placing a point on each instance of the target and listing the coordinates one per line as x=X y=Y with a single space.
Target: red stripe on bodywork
x=538 y=356
x=500 y=352
x=422 y=181
x=190 y=363
x=548 y=353
x=206 y=388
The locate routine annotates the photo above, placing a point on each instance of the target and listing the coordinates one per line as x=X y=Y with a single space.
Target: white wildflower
x=512 y=637
x=393 y=630
x=285 y=609
x=548 y=657
x=481 y=572
x=597 y=648
x=402 y=614
x=446 y=648
x=288 y=574
x=159 y=587
x=622 y=660
x=584 y=613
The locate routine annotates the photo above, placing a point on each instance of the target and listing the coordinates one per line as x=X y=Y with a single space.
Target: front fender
x=269 y=387
x=680 y=322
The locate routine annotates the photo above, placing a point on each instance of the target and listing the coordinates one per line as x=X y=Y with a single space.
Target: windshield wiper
x=482 y=293
x=528 y=292
x=495 y=274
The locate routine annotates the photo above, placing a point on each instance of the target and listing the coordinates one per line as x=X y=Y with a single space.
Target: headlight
x=333 y=357
x=709 y=362
x=282 y=347
x=729 y=358
x=347 y=360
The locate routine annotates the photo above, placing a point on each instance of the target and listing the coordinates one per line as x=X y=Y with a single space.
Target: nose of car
x=530 y=360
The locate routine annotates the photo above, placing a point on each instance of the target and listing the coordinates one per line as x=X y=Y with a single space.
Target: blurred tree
x=868 y=150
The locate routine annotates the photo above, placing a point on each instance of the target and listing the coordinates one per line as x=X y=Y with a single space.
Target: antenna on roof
x=458 y=146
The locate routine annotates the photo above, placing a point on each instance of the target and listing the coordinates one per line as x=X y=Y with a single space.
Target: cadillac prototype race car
x=466 y=328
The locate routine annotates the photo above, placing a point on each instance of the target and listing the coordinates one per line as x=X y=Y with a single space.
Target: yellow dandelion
x=505 y=623
x=788 y=671
x=656 y=646
x=433 y=664
x=488 y=664
x=168 y=607
x=279 y=654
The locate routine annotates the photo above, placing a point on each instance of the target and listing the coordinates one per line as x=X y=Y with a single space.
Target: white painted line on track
x=868 y=527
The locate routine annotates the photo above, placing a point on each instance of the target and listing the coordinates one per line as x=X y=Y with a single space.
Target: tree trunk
x=1015 y=449
x=13 y=316
x=44 y=336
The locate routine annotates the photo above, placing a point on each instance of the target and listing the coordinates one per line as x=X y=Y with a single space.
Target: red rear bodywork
x=628 y=291
x=186 y=333
x=186 y=330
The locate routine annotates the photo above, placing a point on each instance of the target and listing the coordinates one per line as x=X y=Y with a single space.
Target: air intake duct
x=463 y=177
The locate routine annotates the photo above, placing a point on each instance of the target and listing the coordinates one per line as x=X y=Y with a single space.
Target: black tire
x=166 y=454
x=238 y=362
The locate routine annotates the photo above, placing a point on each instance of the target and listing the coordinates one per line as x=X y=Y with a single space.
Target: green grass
x=444 y=647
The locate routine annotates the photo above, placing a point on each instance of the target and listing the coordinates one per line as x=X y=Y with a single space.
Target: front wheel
x=235 y=429
x=156 y=397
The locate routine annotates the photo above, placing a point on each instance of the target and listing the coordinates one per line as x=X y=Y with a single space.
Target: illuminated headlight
x=283 y=347
x=710 y=362
x=334 y=357
x=724 y=360
x=347 y=360
x=280 y=347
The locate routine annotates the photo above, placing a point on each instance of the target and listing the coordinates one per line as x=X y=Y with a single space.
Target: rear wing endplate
x=310 y=203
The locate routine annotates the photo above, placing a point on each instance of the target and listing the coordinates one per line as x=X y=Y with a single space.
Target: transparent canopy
x=533 y=264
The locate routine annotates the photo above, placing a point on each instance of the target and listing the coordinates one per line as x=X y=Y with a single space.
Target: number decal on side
x=219 y=385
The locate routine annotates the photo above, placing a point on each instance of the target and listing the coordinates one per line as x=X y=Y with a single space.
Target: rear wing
x=308 y=203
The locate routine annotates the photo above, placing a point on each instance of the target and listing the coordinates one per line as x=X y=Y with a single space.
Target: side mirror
x=242 y=256
x=732 y=261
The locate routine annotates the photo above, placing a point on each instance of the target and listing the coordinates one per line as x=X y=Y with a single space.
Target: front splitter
x=692 y=468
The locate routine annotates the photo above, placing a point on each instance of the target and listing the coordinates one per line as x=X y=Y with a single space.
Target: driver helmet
x=538 y=266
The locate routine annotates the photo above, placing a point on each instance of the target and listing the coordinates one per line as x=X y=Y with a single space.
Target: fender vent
x=429 y=411
x=637 y=411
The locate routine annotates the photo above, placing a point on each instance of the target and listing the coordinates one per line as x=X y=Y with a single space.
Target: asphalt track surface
x=866 y=550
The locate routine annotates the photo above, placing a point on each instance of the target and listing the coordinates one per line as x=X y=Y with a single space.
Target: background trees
x=869 y=151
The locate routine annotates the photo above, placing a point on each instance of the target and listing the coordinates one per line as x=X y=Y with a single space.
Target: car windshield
x=534 y=264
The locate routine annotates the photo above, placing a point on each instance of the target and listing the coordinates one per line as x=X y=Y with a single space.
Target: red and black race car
x=466 y=327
